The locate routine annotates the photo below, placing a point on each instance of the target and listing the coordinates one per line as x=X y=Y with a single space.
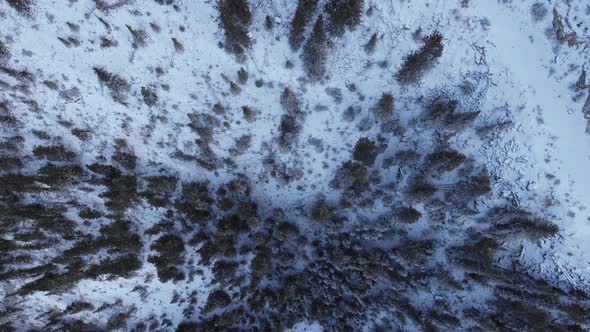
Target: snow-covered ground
x=543 y=73
x=507 y=65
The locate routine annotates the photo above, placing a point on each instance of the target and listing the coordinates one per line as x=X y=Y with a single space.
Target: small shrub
x=106 y=42
x=242 y=76
x=160 y=189
x=538 y=11
x=292 y=122
x=139 y=37
x=4 y=52
x=54 y=153
x=116 y=84
x=287 y=230
x=60 y=176
x=365 y=151
x=149 y=95
x=261 y=264
x=125 y=159
x=82 y=134
x=121 y=193
x=408 y=215
x=370 y=46
x=178 y=47
x=232 y=225
x=268 y=23
x=477 y=255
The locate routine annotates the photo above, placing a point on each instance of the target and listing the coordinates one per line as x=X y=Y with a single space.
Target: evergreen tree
x=385 y=106
x=371 y=44
x=421 y=60
x=343 y=15
x=235 y=19
x=302 y=16
x=365 y=151
x=315 y=51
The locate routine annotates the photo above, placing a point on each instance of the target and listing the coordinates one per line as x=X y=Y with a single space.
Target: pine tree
x=385 y=106
x=365 y=151
x=343 y=15
x=235 y=19
x=421 y=60
x=302 y=16
x=315 y=51
x=371 y=44
x=24 y=7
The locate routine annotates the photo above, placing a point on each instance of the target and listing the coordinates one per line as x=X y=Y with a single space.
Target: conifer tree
x=302 y=16
x=315 y=51
x=343 y=15
x=421 y=60
x=235 y=19
x=371 y=44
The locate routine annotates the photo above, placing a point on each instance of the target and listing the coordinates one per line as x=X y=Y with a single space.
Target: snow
x=528 y=54
x=525 y=78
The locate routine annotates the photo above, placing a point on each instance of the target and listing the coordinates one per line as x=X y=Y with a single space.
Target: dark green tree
x=418 y=62
x=315 y=52
x=303 y=13
x=343 y=15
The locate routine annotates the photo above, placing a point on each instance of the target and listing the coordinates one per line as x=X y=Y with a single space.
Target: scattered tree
x=315 y=52
x=418 y=62
x=365 y=151
x=343 y=15
x=371 y=44
x=235 y=19
x=303 y=13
